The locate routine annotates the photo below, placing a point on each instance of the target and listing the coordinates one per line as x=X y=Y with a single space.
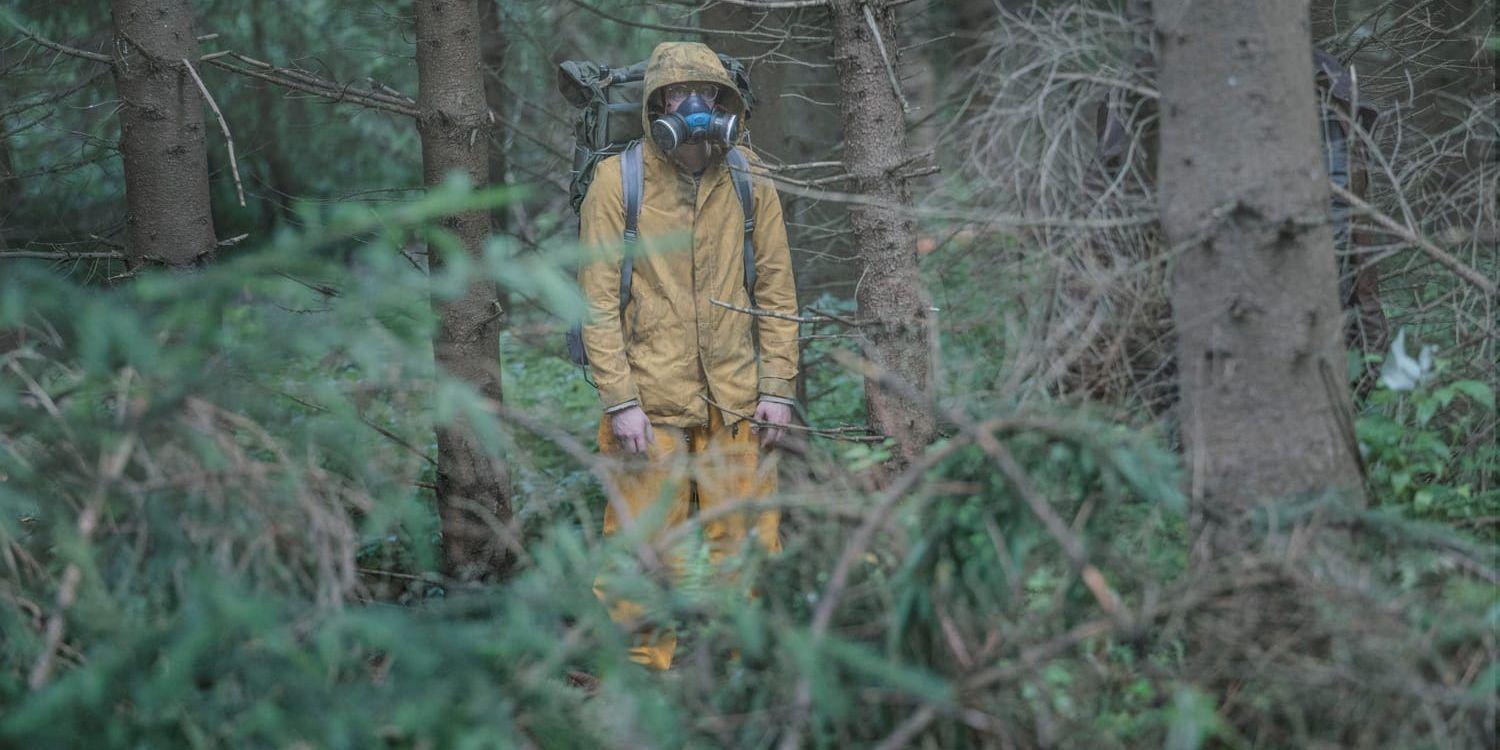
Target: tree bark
x=162 y=137
x=472 y=483
x=1266 y=409
x=893 y=306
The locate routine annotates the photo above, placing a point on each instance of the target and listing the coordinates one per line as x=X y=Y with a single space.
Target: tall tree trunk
x=892 y=303
x=472 y=484
x=168 y=217
x=1266 y=410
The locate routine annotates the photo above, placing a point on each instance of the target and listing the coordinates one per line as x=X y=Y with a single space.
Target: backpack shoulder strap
x=633 y=179
x=739 y=172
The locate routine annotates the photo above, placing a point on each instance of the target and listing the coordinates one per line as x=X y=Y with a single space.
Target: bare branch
x=1410 y=235
x=63 y=48
x=317 y=87
x=762 y=313
x=234 y=167
x=111 y=466
x=774 y=4
x=752 y=35
x=890 y=69
x=57 y=255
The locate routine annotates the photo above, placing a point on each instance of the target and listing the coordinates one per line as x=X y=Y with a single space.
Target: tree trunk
x=280 y=175
x=1266 y=409
x=7 y=182
x=454 y=125
x=494 y=47
x=168 y=217
x=892 y=303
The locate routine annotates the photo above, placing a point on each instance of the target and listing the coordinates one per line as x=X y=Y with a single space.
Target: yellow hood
x=681 y=62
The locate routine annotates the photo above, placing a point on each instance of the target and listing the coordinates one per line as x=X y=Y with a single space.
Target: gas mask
x=694 y=121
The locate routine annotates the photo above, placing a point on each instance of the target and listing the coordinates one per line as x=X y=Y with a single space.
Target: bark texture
x=473 y=492
x=162 y=137
x=1266 y=410
x=892 y=302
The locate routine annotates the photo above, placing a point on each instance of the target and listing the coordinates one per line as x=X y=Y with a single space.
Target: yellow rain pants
x=720 y=466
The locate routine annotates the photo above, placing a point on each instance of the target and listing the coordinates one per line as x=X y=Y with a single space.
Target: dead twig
x=890 y=69
x=1473 y=277
x=56 y=47
x=774 y=4
x=831 y=434
x=111 y=466
x=325 y=89
x=234 y=166
x=761 y=312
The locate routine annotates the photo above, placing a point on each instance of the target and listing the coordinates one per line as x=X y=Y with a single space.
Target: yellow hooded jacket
x=672 y=349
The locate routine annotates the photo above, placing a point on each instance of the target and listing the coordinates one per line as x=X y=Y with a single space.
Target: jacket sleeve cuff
x=778 y=387
x=618 y=395
x=621 y=406
x=777 y=400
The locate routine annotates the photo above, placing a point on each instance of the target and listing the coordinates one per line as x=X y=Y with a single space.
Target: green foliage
x=1420 y=450
x=235 y=469
x=254 y=440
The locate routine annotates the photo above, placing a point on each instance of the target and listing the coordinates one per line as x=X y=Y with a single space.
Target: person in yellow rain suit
x=678 y=374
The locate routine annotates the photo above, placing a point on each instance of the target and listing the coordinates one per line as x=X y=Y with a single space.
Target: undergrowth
x=217 y=529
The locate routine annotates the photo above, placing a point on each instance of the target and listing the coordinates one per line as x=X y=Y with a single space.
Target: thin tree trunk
x=162 y=137
x=892 y=303
x=7 y=182
x=280 y=176
x=472 y=483
x=1367 y=330
x=1266 y=409
x=494 y=47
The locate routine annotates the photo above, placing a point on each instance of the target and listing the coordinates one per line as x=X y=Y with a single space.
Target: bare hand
x=773 y=414
x=632 y=430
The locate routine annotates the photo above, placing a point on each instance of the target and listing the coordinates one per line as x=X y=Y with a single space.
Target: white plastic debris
x=1401 y=372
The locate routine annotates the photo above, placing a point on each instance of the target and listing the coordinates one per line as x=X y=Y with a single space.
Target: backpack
x=609 y=122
